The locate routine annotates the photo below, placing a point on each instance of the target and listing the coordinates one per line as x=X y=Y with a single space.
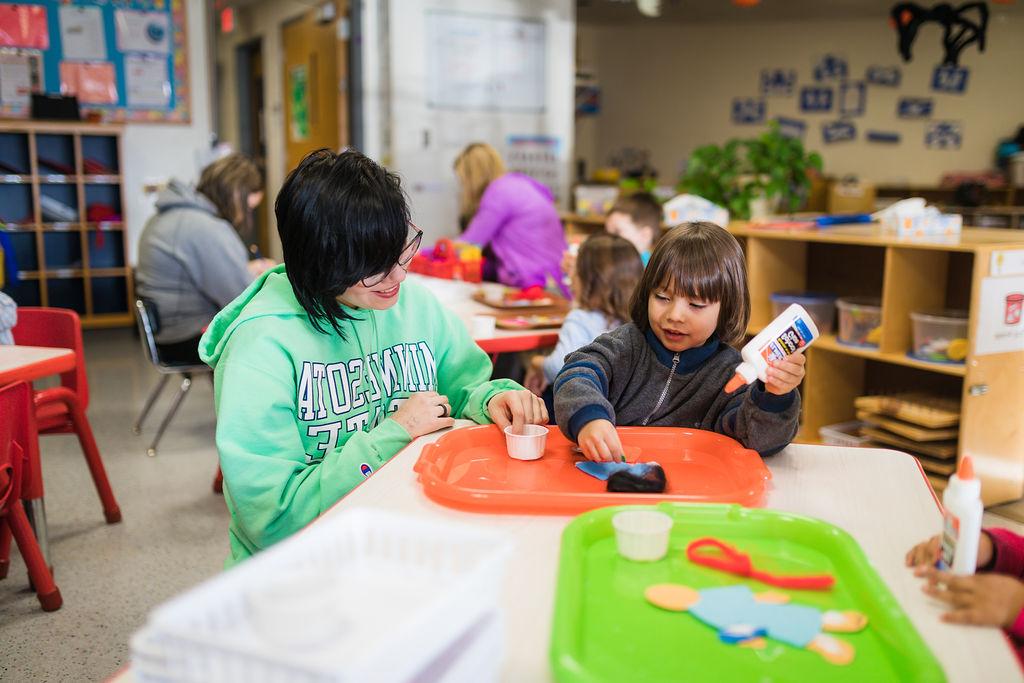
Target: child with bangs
x=669 y=365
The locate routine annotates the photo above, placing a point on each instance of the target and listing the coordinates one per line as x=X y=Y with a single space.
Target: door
x=252 y=134
x=315 y=103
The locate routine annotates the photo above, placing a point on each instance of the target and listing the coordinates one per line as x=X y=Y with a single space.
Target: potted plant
x=780 y=168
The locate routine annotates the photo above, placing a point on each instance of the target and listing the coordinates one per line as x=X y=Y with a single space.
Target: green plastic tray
x=604 y=629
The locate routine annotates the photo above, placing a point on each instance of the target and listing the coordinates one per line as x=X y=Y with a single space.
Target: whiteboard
x=485 y=62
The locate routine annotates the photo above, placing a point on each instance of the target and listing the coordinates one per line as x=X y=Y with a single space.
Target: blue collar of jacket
x=689 y=359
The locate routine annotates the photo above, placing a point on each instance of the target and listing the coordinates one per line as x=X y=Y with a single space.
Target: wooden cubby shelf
x=906 y=276
x=65 y=259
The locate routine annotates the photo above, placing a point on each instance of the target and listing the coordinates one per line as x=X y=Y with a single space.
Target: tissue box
x=595 y=200
x=687 y=208
x=930 y=223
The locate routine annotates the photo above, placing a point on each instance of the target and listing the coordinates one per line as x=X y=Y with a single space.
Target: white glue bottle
x=792 y=331
x=961 y=527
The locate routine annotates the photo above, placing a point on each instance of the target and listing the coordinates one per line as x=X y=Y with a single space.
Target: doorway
x=252 y=132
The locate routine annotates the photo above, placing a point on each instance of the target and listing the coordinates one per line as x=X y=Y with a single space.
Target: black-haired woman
x=328 y=365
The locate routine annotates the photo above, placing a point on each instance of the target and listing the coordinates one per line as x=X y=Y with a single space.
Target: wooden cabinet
x=907 y=276
x=62 y=209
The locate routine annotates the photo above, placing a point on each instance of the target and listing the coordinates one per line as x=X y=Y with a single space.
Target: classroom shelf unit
x=907 y=276
x=62 y=207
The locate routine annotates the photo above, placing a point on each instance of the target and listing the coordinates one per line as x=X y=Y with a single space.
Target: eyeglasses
x=408 y=252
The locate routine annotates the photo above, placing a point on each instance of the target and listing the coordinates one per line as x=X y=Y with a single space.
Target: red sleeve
x=1007 y=555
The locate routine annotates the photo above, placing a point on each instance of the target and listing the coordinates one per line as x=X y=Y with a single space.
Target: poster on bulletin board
x=124 y=60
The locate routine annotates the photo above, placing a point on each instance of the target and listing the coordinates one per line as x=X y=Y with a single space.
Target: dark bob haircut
x=341 y=218
x=699 y=261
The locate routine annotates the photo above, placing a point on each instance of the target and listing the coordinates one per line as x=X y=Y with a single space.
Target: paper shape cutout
x=747 y=110
x=815 y=99
x=24 y=26
x=950 y=79
x=831 y=68
x=604 y=470
x=943 y=135
x=852 y=99
x=888 y=76
x=838 y=131
x=959 y=28
x=778 y=82
x=914 y=107
x=736 y=610
x=791 y=128
x=91 y=82
x=883 y=137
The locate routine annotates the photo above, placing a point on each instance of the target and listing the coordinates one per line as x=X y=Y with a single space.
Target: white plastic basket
x=843 y=434
x=363 y=595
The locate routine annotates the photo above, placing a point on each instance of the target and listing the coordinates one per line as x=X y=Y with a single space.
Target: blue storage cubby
x=16 y=203
x=109 y=294
x=67 y=293
x=24 y=292
x=110 y=195
x=14 y=154
x=101 y=150
x=24 y=246
x=106 y=249
x=67 y=198
x=58 y=150
x=63 y=249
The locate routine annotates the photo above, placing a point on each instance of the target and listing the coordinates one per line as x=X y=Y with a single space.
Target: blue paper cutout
x=747 y=110
x=838 y=131
x=778 y=82
x=601 y=470
x=737 y=633
x=886 y=137
x=888 y=76
x=914 y=107
x=852 y=99
x=728 y=606
x=815 y=98
x=943 y=135
x=791 y=128
x=950 y=78
x=830 y=68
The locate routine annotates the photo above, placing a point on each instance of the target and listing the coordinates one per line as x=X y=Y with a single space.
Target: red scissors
x=732 y=561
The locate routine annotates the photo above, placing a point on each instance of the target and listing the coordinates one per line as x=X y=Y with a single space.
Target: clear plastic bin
x=940 y=336
x=860 y=321
x=843 y=434
x=821 y=306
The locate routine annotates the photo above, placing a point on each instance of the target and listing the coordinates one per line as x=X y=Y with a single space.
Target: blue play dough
x=733 y=606
x=603 y=470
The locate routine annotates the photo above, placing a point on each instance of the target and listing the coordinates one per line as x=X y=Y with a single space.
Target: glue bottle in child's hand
x=792 y=331
x=961 y=527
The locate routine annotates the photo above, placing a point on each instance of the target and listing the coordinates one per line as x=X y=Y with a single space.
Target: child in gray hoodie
x=669 y=366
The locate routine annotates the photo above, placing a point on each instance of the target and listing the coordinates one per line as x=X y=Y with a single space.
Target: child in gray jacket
x=669 y=366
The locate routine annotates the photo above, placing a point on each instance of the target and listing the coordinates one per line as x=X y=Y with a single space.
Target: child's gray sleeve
x=573 y=335
x=8 y=319
x=581 y=388
x=759 y=420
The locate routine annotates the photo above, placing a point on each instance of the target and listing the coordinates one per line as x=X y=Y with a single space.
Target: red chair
x=61 y=410
x=15 y=431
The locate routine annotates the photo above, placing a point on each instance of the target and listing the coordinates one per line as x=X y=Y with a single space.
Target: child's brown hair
x=477 y=166
x=608 y=268
x=643 y=208
x=700 y=261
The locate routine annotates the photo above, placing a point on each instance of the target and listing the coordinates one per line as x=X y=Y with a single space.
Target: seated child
x=992 y=597
x=607 y=271
x=330 y=364
x=669 y=365
x=637 y=218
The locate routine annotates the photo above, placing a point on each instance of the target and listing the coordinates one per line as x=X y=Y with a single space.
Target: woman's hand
x=535 y=380
x=783 y=376
x=516 y=408
x=424 y=412
x=926 y=553
x=980 y=599
x=600 y=442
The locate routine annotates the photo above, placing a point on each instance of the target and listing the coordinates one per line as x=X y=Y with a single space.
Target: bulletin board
x=126 y=59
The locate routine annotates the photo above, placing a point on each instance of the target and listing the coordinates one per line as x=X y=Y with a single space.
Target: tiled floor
x=173 y=534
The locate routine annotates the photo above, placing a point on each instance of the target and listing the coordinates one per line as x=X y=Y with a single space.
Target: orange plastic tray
x=470 y=469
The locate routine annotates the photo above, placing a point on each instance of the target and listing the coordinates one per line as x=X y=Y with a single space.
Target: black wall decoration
x=961 y=27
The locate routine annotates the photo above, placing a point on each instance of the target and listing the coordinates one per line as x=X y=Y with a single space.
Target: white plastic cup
x=642 y=535
x=483 y=326
x=526 y=446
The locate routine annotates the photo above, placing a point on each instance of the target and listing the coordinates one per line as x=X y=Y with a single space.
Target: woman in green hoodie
x=328 y=365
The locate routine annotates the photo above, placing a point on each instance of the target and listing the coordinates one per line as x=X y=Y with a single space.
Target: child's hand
x=981 y=599
x=600 y=442
x=784 y=375
x=926 y=553
x=423 y=413
x=517 y=408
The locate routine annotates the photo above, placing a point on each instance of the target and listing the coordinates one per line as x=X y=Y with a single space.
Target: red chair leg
x=218 y=482
x=5 y=550
x=38 y=572
x=92 y=457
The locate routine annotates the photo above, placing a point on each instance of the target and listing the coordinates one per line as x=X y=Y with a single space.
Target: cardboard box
x=850 y=197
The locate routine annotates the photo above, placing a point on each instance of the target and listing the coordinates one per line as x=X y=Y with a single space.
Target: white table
x=28 y=363
x=879 y=496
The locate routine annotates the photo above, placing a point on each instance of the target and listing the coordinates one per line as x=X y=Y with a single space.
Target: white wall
x=420 y=142
x=668 y=88
x=154 y=153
